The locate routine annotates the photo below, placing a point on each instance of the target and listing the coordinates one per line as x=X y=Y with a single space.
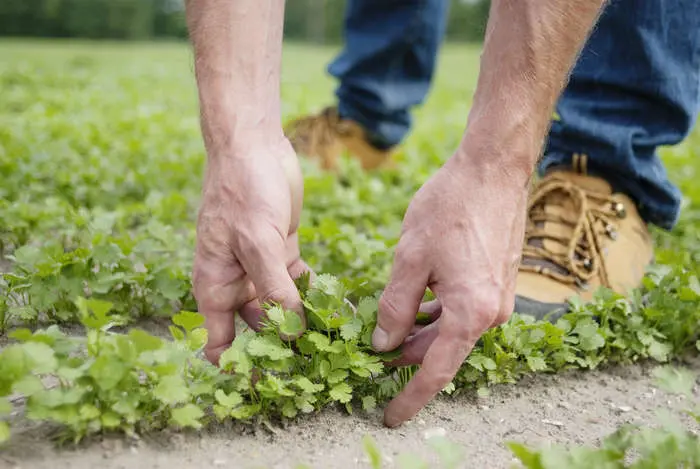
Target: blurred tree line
x=318 y=21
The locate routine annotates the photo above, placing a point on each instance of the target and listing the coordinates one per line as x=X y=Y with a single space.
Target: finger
x=221 y=330
x=401 y=298
x=415 y=347
x=298 y=267
x=218 y=289
x=459 y=327
x=263 y=259
x=440 y=365
x=253 y=314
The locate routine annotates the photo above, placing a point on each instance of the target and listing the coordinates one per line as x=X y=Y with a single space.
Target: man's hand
x=463 y=231
x=462 y=236
x=247 y=249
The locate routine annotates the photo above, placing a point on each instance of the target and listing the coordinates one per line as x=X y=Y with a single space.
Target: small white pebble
x=432 y=432
x=556 y=423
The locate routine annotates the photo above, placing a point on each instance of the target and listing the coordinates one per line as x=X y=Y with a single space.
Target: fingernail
x=380 y=339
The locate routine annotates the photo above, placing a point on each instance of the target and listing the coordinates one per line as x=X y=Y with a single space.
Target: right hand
x=247 y=250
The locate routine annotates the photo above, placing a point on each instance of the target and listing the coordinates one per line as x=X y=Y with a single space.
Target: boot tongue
x=584 y=181
x=558 y=206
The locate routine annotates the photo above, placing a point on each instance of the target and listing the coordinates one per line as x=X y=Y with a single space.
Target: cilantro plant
x=101 y=184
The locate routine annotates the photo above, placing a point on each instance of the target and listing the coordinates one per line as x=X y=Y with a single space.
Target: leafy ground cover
x=101 y=159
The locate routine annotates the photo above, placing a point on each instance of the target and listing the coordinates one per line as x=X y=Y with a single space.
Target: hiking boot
x=326 y=136
x=579 y=236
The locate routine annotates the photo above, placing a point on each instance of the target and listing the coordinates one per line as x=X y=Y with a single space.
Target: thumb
x=400 y=300
x=264 y=263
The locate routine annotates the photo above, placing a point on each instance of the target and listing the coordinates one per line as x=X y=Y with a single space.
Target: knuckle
x=388 y=311
x=409 y=255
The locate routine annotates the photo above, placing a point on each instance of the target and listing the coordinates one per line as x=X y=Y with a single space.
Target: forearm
x=237 y=51
x=530 y=48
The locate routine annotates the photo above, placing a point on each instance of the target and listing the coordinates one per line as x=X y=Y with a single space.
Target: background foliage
x=319 y=21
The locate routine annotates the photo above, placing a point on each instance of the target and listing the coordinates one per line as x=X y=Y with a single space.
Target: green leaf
x=188 y=320
x=171 y=389
x=372 y=452
x=351 y=330
x=289 y=409
x=303 y=282
x=143 y=341
x=589 y=338
x=674 y=380
x=176 y=333
x=451 y=454
x=450 y=388
x=107 y=372
x=411 y=461
x=5 y=406
x=324 y=368
x=341 y=392
x=228 y=400
x=262 y=346
x=94 y=313
x=235 y=357
x=89 y=412
x=42 y=357
x=110 y=420
x=290 y=324
x=336 y=376
x=322 y=343
x=536 y=363
x=481 y=362
x=369 y=403
x=529 y=459
x=304 y=403
x=188 y=416
x=4 y=432
x=307 y=386
x=659 y=351
x=367 y=310
x=329 y=285
x=28 y=385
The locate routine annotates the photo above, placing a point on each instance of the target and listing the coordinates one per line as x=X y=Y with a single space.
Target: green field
x=101 y=161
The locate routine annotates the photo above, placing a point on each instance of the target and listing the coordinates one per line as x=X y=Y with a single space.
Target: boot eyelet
x=588 y=264
x=619 y=209
x=612 y=233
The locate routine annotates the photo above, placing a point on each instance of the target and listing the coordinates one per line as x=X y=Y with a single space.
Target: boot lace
x=591 y=219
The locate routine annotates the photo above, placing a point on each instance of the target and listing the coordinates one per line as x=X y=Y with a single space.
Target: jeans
x=634 y=88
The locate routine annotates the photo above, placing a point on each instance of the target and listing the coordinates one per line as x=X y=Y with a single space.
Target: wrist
x=502 y=148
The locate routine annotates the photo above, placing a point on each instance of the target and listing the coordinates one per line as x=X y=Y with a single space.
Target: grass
x=101 y=157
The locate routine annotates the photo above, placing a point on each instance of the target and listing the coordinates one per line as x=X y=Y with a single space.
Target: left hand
x=462 y=238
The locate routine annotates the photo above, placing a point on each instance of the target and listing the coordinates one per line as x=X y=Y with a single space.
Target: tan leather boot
x=579 y=236
x=325 y=137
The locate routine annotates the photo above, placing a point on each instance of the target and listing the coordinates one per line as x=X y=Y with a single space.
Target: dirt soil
x=577 y=408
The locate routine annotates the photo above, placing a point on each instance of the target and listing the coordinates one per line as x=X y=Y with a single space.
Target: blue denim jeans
x=634 y=88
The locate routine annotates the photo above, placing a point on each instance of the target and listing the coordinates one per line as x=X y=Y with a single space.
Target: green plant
x=670 y=445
